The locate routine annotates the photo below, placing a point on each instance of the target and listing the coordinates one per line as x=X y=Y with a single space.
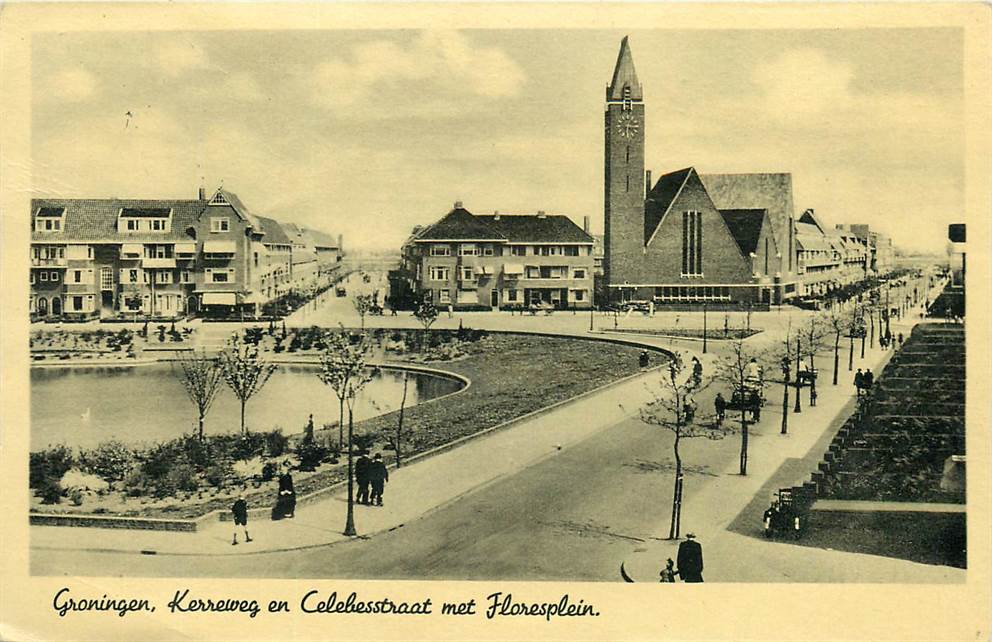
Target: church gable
x=692 y=242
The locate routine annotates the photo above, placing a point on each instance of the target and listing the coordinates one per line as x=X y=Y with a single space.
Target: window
x=220 y=224
x=106 y=278
x=439 y=273
x=132 y=276
x=77 y=276
x=440 y=250
x=518 y=250
x=511 y=296
x=186 y=276
x=533 y=272
x=692 y=243
x=219 y=276
x=158 y=225
x=32 y=278
x=132 y=225
x=571 y=250
x=579 y=274
x=487 y=250
x=163 y=276
x=444 y=296
x=467 y=249
x=44 y=276
x=53 y=276
x=256 y=259
x=578 y=295
x=468 y=274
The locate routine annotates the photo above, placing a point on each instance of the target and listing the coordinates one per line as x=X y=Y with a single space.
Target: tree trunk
x=341 y=426
x=349 y=525
x=850 y=356
x=244 y=430
x=743 y=434
x=862 y=346
x=798 y=407
x=399 y=426
x=673 y=529
x=785 y=406
x=836 y=356
x=201 y=426
x=871 y=320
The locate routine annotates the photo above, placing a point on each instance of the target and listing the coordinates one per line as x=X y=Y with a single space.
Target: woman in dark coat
x=286 y=499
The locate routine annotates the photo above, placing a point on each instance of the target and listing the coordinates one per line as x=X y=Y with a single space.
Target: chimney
x=585 y=224
x=202 y=193
x=495 y=215
x=458 y=205
x=541 y=214
x=647 y=183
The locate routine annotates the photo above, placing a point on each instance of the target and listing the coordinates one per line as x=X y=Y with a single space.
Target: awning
x=185 y=248
x=218 y=247
x=219 y=298
x=513 y=268
x=132 y=249
x=484 y=269
x=159 y=264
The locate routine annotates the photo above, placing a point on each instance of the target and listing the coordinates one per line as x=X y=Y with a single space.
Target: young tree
x=245 y=372
x=736 y=369
x=668 y=410
x=343 y=366
x=202 y=378
x=837 y=324
x=399 y=425
x=815 y=334
x=426 y=313
x=363 y=305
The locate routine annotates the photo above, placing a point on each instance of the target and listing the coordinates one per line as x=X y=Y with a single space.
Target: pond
x=83 y=406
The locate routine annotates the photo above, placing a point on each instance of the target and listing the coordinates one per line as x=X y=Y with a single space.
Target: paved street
x=569 y=494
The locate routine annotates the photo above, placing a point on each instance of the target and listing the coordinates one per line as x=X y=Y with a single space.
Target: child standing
x=240 y=511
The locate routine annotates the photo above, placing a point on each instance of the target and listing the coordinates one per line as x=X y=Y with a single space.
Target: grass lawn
x=713 y=334
x=511 y=375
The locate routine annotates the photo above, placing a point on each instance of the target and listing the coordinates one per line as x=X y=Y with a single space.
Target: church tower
x=624 y=173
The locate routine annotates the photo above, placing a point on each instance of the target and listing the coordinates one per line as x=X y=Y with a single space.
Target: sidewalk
x=708 y=511
x=413 y=490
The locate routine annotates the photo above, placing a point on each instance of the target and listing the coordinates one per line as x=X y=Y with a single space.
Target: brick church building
x=689 y=237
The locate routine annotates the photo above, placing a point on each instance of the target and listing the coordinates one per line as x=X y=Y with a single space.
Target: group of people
x=864 y=381
x=690 y=562
x=370 y=473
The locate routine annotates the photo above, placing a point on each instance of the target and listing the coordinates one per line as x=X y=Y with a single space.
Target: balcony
x=48 y=263
x=158 y=264
x=80 y=288
x=219 y=249
x=185 y=250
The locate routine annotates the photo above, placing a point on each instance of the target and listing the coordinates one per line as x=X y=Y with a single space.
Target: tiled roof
x=460 y=224
x=536 y=228
x=745 y=227
x=320 y=239
x=660 y=199
x=274 y=234
x=624 y=75
x=772 y=192
x=96 y=219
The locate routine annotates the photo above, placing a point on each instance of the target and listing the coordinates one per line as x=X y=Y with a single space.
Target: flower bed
x=511 y=375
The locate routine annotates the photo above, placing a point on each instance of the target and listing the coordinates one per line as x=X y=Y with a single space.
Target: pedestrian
x=645 y=359
x=859 y=381
x=286 y=498
x=697 y=372
x=240 y=512
x=668 y=573
x=362 y=478
x=869 y=380
x=378 y=476
x=689 y=407
x=451 y=309
x=690 y=559
x=900 y=339
x=720 y=405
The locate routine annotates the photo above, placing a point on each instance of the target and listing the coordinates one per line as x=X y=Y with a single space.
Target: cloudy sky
x=368 y=133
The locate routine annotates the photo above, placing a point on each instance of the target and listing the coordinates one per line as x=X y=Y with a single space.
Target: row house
x=153 y=258
x=494 y=261
x=829 y=258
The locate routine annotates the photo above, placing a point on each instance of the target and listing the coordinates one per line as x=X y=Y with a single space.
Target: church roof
x=460 y=224
x=537 y=228
x=660 y=199
x=772 y=192
x=624 y=75
x=745 y=226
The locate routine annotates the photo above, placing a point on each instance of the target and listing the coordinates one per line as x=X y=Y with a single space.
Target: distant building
x=160 y=258
x=494 y=261
x=957 y=253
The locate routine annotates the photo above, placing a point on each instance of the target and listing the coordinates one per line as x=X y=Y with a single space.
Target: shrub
x=275 y=442
x=49 y=491
x=76 y=496
x=111 y=460
x=137 y=483
x=217 y=473
x=49 y=465
x=269 y=471
x=310 y=455
x=76 y=480
x=181 y=477
x=363 y=441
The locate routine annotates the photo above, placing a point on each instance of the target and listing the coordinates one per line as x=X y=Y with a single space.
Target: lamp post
x=592 y=312
x=799 y=356
x=704 y=327
x=785 y=395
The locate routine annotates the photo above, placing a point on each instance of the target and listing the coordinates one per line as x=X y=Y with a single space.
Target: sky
x=368 y=133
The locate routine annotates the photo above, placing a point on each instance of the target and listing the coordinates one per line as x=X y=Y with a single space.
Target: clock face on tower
x=627 y=125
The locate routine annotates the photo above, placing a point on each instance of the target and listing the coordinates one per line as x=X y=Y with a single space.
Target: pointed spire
x=624 y=76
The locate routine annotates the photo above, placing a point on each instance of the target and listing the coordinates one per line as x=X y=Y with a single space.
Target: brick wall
x=624 y=190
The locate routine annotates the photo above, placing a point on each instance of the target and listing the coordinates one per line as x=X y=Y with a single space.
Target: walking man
x=720 y=405
x=859 y=381
x=869 y=381
x=690 y=559
x=240 y=511
x=362 y=478
x=378 y=476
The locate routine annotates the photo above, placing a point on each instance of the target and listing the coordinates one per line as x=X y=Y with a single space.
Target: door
x=42 y=306
x=494 y=298
x=56 y=306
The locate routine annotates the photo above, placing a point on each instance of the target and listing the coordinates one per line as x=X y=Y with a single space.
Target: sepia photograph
x=537 y=307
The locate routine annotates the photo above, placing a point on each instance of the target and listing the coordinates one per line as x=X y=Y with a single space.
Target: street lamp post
x=785 y=395
x=704 y=327
x=799 y=356
x=592 y=313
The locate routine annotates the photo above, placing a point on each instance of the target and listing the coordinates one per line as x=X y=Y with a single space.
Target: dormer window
x=219 y=199
x=49 y=219
x=144 y=219
x=220 y=224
